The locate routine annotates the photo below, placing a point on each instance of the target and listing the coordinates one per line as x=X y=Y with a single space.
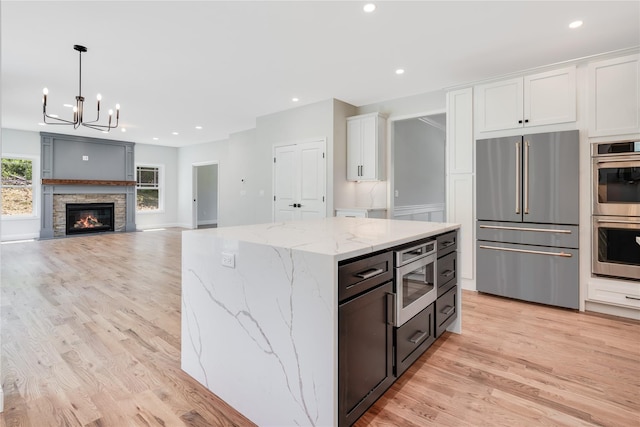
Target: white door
x=299 y=181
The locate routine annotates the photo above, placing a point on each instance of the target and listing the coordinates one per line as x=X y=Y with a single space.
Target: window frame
x=160 y=188
x=35 y=187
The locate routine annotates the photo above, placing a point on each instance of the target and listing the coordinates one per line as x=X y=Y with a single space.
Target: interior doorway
x=418 y=180
x=205 y=195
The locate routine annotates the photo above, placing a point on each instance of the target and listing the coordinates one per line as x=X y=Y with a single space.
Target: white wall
x=25 y=143
x=210 y=152
x=167 y=158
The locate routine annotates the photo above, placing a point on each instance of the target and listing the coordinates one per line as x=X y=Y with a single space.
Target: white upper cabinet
x=533 y=100
x=365 y=147
x=614 y=96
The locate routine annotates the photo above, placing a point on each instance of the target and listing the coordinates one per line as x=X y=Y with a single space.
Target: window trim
x=160 y=168
x=35 y=186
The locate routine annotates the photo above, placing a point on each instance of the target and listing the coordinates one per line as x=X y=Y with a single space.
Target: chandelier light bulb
x=111 y=112
x=45 y=91
x=99 y=97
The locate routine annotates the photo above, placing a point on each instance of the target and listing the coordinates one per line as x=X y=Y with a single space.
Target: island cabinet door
x=365 y=349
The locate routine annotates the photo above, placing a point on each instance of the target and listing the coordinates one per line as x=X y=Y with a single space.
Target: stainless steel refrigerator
x=527 y=217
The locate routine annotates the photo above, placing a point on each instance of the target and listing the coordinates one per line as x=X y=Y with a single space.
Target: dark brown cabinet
x=365 y=336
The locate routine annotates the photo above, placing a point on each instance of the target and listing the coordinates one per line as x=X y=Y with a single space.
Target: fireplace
x=89 y=217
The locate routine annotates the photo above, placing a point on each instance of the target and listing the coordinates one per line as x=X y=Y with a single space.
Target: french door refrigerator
x=527 y=217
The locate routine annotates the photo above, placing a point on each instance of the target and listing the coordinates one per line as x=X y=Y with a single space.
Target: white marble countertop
x=339 y=237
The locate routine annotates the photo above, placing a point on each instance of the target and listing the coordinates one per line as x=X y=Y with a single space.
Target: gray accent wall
x=77 y=157
x=419 y=157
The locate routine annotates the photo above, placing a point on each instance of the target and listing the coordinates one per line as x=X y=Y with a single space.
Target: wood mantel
x=87 y=182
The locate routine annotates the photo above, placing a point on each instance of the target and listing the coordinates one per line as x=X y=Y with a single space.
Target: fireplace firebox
x=89 y=217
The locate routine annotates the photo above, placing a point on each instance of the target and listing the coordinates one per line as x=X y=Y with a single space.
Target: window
x=148 y=188
x=17 y=187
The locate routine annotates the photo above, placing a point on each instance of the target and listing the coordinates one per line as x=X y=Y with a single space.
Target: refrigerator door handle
x=526 y=251
x=538 y=230
x=518 y=162
x=526 y=177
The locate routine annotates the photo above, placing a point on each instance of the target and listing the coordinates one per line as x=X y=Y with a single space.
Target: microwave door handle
x=518 y=177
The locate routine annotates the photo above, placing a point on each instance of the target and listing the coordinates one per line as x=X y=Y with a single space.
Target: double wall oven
x=616 y=209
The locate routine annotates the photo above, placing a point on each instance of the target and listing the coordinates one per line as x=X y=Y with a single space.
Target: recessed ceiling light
x=68 y=105
x=123 y=130
x=42 y=124
x=575 y=24
x=198 y=127
x=399 y=71
x=155 y=138
x=369 y=7
x=175 y=133
x=295 y=99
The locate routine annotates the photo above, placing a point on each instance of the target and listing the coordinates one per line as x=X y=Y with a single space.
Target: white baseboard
x=614 y=310
x=12 y=237
x=154 y=226
x=208 y=222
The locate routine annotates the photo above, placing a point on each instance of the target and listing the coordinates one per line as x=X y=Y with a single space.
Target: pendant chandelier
x=78 y=109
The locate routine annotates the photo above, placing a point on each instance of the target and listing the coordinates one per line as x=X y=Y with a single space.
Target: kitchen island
x=260 y=311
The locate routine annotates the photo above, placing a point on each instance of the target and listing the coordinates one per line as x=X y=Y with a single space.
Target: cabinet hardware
x=447 y=273
x=418 y=336
x=447 y=310
x=448 y=243
x=524 y=251
x=537 y=230
x=519 y=121
x=391 y=304
x=369 y=273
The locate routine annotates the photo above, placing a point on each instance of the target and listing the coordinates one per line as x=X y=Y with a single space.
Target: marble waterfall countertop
x=342 y=238
x=260 y=311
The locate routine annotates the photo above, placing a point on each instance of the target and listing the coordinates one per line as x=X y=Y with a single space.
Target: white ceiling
x=173 y=65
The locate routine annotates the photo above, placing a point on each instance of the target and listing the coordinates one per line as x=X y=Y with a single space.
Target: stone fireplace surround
x=86 y=170
x=59 y=209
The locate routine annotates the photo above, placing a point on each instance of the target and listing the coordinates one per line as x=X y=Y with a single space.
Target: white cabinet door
x=533 y=100
x=550 y=97
x=613 y=96
x=354 y=149
x=500 y=105
x=460 y=141
x=365 y=147
x=299 y=181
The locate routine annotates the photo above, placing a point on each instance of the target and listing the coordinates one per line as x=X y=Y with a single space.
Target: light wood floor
x=91 y=337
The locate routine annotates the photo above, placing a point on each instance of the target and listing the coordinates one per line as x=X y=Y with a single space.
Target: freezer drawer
x=544 y=275
x=564 y=236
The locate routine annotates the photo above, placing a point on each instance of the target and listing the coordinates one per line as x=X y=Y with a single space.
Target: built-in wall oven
x=616 y=178
x=415 y=280
x=616 y=209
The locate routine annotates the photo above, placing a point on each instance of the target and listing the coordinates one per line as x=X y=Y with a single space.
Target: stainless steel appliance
x=616 y=246
x=615 y=238
x=616 y=178
x=528 y=214
x=415 y=280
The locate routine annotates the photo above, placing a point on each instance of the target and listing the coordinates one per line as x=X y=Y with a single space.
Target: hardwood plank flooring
x=91 y=337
